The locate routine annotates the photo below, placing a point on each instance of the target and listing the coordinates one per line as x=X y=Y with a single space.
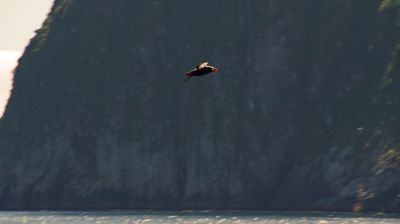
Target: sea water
x=193 y=217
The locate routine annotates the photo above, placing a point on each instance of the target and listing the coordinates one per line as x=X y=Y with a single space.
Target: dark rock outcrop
x=303 y=115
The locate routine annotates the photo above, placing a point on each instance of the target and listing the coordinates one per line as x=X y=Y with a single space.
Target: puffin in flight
x=200 y=70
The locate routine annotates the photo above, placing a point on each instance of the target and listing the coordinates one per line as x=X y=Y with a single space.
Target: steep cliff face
x=303 y=115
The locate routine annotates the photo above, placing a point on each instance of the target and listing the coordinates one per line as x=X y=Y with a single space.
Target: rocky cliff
x=304 y=113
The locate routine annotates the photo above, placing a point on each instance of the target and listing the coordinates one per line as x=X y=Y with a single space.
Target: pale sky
x=18 y=21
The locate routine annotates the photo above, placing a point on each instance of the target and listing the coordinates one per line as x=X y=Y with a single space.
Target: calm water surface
x=193 y=217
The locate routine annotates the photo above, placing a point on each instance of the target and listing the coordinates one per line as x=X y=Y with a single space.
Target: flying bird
x=200 y=70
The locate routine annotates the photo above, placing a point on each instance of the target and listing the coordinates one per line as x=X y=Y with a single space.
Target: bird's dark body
x=201 y=72
x=201 y=69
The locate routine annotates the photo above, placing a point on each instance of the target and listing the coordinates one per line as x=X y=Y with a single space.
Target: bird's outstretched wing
x=202 y=65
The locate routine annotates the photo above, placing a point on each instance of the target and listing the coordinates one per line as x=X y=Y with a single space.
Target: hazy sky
x=18 y=21
x=8 y=61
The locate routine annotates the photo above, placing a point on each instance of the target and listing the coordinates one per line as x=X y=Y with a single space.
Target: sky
x=18 y=21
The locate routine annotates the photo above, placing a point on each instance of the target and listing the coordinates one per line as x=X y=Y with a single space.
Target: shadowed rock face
x=300 y=116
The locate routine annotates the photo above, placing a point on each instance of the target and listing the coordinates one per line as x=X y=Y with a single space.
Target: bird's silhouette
x=200 y=70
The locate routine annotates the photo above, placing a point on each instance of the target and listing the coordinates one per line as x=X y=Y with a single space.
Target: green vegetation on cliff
x=60 y=7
